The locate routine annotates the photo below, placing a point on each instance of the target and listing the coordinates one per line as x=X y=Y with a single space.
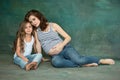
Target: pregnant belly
x=52 y=51
x=55 y=50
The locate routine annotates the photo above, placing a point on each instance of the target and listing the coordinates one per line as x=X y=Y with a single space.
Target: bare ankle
x=91 y=65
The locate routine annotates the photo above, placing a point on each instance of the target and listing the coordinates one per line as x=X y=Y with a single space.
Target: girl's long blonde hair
x=21 y=35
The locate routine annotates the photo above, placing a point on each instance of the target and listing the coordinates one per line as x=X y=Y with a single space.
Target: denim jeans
x=69 y=57
x=32 y=58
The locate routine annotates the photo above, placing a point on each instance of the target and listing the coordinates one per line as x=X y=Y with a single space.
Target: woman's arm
x=59 y=47
x=66 y=37
x=38 y=45
x=18 y=51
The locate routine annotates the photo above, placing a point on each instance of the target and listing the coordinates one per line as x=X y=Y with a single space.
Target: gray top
x=48 y=39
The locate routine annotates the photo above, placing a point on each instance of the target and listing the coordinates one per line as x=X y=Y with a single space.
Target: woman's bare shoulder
x=53 y=25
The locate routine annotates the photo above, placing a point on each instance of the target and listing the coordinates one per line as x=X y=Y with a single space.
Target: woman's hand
x=57 y=49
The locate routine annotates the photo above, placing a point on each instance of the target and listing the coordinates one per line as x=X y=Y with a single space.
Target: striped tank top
x=48 y=39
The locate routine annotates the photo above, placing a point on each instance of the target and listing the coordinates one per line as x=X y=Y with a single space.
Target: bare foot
x=107 y=61
x=91 y=65
x=45 y=60
x=29 y=66
x=35 y=65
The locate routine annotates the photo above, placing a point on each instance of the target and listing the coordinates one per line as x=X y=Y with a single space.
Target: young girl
x=62 y=53
x=23 y=45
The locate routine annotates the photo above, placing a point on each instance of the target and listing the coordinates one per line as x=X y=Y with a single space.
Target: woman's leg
x=91 y=65
x=59 y=61
x=74 y=56
x=107 y=61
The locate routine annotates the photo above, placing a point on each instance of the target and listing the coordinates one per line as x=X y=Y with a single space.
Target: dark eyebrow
x=30 y=21
x=33 y=19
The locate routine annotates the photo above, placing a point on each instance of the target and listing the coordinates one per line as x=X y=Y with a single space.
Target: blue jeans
x=69 y=57
x=32 y=58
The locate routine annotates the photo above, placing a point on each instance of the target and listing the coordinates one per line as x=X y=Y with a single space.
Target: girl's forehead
x=28 y=24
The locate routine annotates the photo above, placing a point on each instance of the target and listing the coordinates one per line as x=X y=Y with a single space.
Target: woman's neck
x=47 y=28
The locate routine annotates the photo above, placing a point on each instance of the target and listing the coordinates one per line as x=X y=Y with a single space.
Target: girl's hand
x=26 y=60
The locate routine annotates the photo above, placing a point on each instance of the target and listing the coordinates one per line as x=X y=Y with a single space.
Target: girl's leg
x=29 y=66
x=35 y=59
x=20 y=62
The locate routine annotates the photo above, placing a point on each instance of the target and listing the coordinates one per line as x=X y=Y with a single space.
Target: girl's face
x=28 y=28
x=34 y=21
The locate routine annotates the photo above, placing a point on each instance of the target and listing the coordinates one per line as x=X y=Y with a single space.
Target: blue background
x=94 y=25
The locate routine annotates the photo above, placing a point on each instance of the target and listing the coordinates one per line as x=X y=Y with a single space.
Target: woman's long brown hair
x=40 y=16
x=21 y=35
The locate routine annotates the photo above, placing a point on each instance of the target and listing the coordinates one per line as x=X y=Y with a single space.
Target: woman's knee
x=56 y=62
x=80 y=61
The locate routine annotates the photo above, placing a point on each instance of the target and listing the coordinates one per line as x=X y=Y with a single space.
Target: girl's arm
x=18 y=51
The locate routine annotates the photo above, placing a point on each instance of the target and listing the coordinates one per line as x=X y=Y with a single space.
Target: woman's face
x=34 y=21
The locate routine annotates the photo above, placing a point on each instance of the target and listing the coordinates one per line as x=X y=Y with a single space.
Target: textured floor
x=9 y=71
